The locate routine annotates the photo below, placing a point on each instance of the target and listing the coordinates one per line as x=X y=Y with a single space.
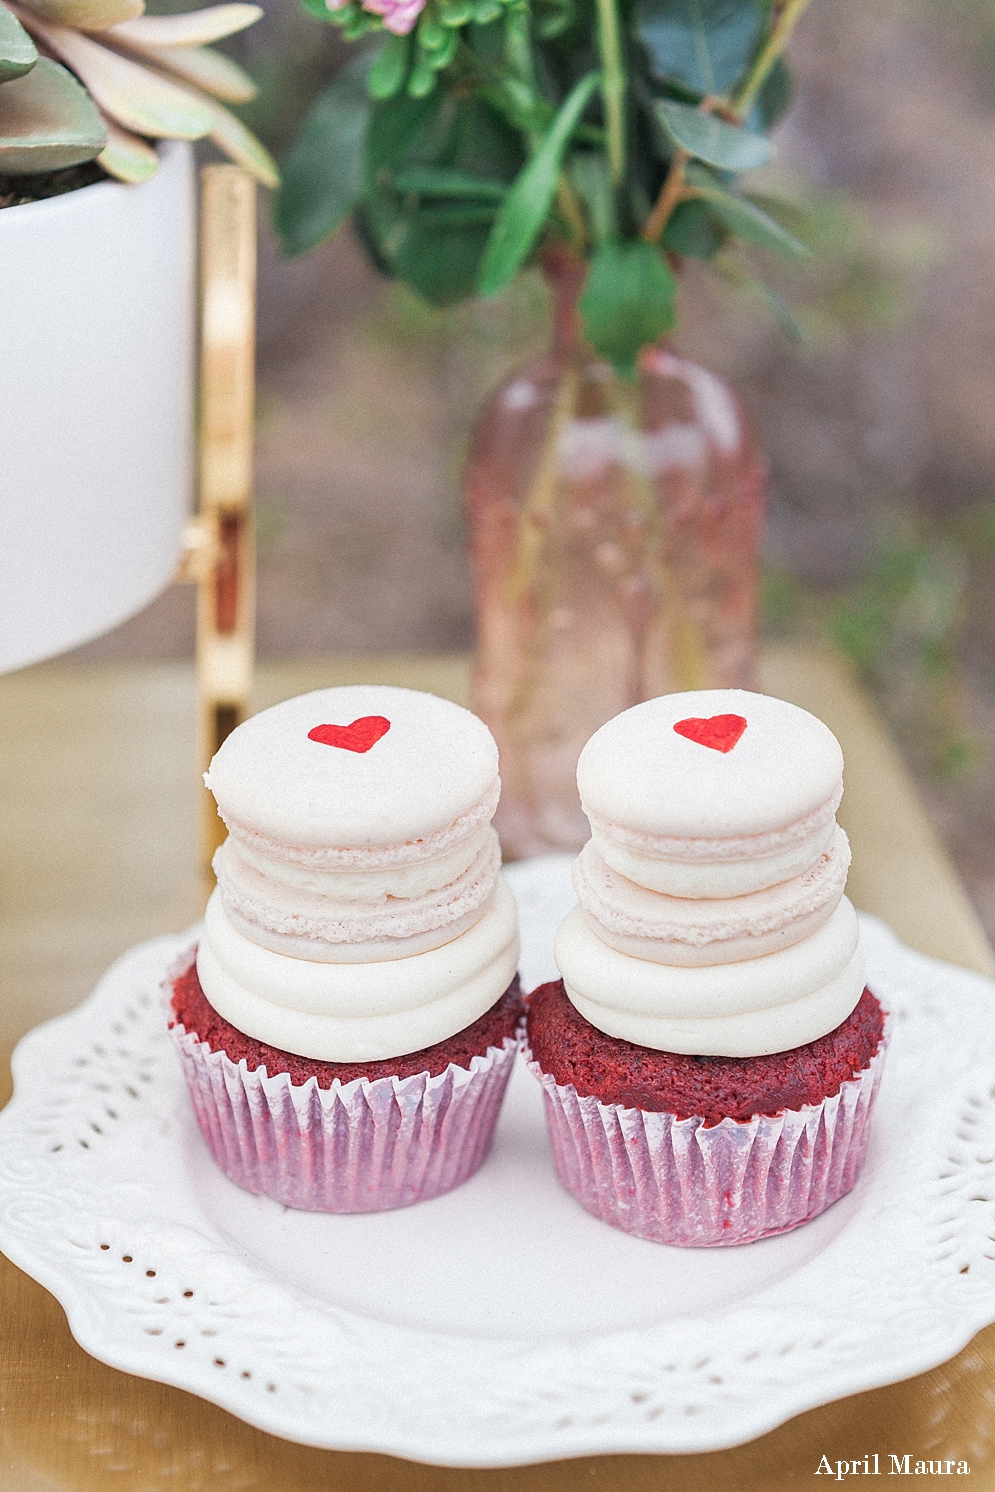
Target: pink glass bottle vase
x=615 y=531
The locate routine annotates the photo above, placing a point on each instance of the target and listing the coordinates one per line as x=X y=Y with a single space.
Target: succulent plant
x=109 y=80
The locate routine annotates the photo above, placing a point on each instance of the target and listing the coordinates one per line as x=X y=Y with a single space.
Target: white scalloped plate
x=500 y=1324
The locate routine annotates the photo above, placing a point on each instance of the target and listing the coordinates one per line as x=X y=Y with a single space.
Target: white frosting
x=748 y=1008
x=317 y=922
x=347 y=1012
x=638 y=773
x=431 y=769
x=676 y=930
x=752 y=1034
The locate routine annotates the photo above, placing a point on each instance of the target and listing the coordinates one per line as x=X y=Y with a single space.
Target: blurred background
x=874 y=399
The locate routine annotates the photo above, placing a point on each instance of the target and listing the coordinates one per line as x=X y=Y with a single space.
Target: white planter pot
x=96 y=405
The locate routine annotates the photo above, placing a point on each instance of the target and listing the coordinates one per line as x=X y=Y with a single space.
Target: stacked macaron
x=711 y=975
x=360 y=948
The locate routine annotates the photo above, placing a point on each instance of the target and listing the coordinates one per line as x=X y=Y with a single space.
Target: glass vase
x=614 y=530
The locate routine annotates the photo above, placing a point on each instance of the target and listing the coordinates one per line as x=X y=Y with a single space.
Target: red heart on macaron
x=718 y=732
x=359 y=736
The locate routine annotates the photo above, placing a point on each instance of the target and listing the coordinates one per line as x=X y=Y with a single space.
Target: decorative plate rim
x=902 y=1287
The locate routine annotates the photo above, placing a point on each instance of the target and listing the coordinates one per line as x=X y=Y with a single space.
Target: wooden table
x=98 y=827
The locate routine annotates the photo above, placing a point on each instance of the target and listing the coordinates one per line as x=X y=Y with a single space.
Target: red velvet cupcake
x=710 y=1059
x=347 y=1026
x=344 y=1136
x=696 y=1150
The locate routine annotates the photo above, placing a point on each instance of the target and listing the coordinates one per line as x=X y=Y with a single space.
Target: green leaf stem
x=710 y=139
x=628 y=301
x=524 y=212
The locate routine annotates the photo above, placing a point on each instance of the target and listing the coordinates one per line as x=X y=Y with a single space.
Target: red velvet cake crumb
x=192 y=1010
x=571 y=1050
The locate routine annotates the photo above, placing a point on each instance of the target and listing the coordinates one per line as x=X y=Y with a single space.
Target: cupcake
x=347 y=1025
x=710 y=1056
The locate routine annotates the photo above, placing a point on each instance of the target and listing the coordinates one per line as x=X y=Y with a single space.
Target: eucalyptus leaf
x=47 y=122
x=705 y=44
x=796 y=217
x=524 y=212
x=785 y=316
x=755 y=286
x=323 y=170
x=775 y=96
x=744 y=218
x=692 y=230
x=708 y=138
x=18 y=53
x=628 y=301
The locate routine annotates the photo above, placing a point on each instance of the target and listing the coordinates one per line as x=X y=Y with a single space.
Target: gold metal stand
x=220 y=549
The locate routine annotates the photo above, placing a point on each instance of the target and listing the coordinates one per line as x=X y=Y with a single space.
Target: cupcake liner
x=362 y=1146
x=677 y=1181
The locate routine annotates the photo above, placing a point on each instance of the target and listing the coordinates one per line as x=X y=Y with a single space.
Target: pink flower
x=399 y=16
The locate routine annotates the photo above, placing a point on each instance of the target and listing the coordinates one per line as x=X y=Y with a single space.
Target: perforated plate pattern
x=100 y=1202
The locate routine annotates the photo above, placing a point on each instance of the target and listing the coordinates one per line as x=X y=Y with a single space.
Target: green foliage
x=629 y=300
x=711 y=139
x=495 y=126
x=526 y=207
x=694 y=230
x=151 y=78
x=389 y=72
x=744 y=217
x=437 y=170
x=48 y=122
x=18 y=53
x=706 y=45
x=323 y=172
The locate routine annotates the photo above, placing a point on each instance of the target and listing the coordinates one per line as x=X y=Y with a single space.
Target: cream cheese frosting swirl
x=745 y=1009
x=348 y=1012
x=359 y=912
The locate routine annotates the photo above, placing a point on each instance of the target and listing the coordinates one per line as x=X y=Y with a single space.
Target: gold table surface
x=98 y=849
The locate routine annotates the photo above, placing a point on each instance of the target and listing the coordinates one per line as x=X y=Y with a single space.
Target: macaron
x=711 y=793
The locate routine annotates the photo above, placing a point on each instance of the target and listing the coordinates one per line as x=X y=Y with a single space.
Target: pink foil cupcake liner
x=677 y=1181
x=362 y=1146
